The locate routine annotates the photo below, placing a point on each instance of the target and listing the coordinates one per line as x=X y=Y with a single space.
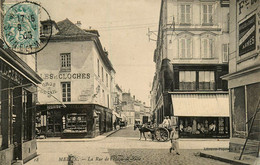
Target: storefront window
x=206 y=80
x=187 y=80
x=204 y=127
x=76 y=123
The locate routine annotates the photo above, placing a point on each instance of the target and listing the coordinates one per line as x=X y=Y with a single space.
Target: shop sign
x=247 y=35
x=10 y=72
x=245 y=7
x=54 y=106
x=65 y=76
x=83 y=98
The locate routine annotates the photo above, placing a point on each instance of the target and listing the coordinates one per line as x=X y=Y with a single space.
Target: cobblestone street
x=122 y=147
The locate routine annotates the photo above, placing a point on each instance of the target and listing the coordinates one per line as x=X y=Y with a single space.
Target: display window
x=76 y=122
x=204 y=127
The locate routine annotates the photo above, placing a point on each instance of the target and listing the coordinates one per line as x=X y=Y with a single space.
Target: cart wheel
x=161 y=134
x=164 y=134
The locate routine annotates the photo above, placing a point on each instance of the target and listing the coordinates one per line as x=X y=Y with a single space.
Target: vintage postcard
x=129 y=82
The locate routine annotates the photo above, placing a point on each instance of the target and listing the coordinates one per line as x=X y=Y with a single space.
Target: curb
x=98 y=138
x=112 y=132
x=226 y=160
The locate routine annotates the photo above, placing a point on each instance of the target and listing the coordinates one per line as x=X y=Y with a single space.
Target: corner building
x=190 y=57
x=78 y=74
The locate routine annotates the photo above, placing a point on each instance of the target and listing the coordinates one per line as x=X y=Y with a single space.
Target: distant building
x=134 y=110
x=77 y=71
x=244 y=75
x=191 y=56
x=128 y=108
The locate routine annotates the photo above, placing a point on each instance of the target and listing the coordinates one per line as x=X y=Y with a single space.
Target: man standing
x=174 y=141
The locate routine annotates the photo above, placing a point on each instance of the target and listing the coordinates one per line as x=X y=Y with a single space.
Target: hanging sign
x=247 y=35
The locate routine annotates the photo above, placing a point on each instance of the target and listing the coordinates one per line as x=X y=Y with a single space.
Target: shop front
x=202 y=115
x=74 y=121
x=18 y=84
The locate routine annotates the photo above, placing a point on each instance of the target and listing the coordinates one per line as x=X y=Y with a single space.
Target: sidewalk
x=230 y=157
x=58 y=139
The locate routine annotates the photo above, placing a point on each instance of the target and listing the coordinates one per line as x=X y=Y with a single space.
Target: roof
x=67 y=28
x=71 y=32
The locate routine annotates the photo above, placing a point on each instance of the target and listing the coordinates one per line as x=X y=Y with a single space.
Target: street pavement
x=122 y=147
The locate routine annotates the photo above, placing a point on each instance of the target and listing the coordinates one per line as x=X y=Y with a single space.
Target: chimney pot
x=78 y=24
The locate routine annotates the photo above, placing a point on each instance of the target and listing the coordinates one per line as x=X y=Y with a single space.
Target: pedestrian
x=174 y=141
x=165 y=123
x=115 y=125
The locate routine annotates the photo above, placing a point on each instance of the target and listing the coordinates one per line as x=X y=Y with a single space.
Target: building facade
x=78 y=74
x=244 y=75
x=190 y=57
x=18 y=84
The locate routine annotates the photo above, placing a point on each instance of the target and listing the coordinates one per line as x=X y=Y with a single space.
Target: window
x=185 y=16
x=65 y=61
x=103 y=95
x=225 y=52
x=66 y=91
x=106 y=79
x=187 y=80
x=207 y=14
x=102 y=72
x=206 y=80
x=207 y=45
x=185 y=48
x=204 y=127
x=98 y=67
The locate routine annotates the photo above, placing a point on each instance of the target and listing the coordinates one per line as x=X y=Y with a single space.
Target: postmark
x=21 y=31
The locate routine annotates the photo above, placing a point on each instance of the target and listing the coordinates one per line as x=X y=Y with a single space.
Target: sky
x=123 y=27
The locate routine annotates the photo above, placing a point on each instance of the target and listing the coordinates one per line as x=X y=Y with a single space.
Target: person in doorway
x=174 y=141
x=166 y=123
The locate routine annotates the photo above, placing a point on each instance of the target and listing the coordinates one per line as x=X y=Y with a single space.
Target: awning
x=200 y=104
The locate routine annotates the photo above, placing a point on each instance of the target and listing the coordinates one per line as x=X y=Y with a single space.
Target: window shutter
x=182 y=48
x=188 y=48
x=204 y=14
x=204 y=47
x=210 y=14
x=188 y=14
x=211 y=48
x=182 y=14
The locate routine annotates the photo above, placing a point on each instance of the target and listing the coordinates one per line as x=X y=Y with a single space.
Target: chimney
x=144 y=103
x=134 y=97
x=78 y=24
x=105 y=51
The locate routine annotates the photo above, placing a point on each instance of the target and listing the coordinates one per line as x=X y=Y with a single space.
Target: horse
x=143 y=129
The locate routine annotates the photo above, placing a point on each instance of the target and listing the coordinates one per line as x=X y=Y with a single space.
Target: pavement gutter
x=100 y=137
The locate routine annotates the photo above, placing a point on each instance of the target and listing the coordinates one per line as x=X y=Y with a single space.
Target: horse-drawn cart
x=161 y=134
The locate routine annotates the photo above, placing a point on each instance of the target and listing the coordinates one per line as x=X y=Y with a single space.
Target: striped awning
x=200 y=104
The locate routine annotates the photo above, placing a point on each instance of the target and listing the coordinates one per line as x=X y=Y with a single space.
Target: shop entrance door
x=54 y=123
